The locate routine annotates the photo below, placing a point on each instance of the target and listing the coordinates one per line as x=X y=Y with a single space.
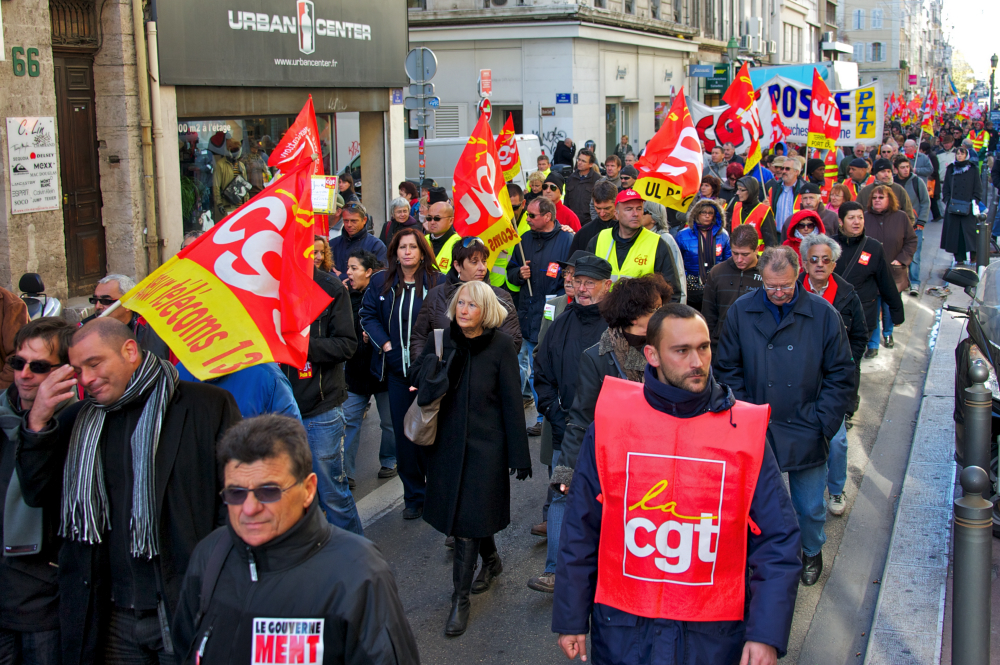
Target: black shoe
x=870 y=353
x=463 y=570
x=413 y=513
x=888 y=342
x=488 y=574
x=848 y=423
x=535 y=430
x=388 y=472
x=812 y=568
x=449 y=542
x=351 y=484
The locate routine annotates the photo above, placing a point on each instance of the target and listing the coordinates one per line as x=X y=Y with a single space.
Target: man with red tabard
x=693 y=500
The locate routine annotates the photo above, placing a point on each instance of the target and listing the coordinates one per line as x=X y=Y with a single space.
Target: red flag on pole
x=510 y=159
x=300 y=145
x=824 y=116
x=741 y=97
x=670 y=169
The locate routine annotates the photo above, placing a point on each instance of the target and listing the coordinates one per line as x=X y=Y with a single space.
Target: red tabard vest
x=676 y=494
x=853 y=188
x=755 y=219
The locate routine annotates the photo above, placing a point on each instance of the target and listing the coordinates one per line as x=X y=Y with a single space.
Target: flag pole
x=116 y=305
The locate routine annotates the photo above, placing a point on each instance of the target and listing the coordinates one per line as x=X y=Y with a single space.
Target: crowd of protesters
x=147 y=514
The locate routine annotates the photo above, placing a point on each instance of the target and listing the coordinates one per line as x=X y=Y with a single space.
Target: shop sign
x=283 y=43
x=719 y=80
x=33 y=168
x=913 y=79
x=700 y=71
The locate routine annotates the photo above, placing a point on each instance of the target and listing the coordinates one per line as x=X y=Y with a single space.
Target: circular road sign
x=413 y=66
x=486 y=108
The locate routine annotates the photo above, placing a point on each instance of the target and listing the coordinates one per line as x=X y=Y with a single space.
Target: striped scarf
x=85 y=500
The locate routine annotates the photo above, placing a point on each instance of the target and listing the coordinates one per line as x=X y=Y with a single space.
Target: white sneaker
x=837 y=504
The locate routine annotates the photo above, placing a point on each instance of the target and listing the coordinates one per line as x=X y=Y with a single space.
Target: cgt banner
x=861 y=115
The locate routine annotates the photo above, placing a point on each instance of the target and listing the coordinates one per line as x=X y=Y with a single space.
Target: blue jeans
x=836 y=476
x=354 y=413
x=326 y=440
x=915 y=265
x=41 y=648
x=557 y=508
x=886 y=325
x=806 y=488
x=526 y=362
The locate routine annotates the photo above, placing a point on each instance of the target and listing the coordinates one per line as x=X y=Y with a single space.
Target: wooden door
x=86 y=252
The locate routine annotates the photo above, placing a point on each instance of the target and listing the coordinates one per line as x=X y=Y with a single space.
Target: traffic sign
x=486 y=108
x=421 y=64
x=433 y=102
x=485 y=82
x=417 y=89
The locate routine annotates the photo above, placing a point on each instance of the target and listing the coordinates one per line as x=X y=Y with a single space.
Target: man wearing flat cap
x=857 y=176
x=557 y=360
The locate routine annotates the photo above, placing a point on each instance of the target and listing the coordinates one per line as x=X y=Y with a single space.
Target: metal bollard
x=983 y=228
x=970 y=617
x=978 y=419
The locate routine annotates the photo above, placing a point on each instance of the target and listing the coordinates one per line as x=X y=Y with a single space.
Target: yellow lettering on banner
x=865 y=114
x=498 y=237
x=200 y=319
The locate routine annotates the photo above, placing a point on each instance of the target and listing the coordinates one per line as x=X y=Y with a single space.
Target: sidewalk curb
x=909 y=617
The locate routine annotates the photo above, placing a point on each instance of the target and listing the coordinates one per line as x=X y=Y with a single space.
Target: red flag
x=510 y=159
x=740 y=96
x=300 y=145
x=824 y=116
x=779 y=132
x=243 y=293
x=670 y=169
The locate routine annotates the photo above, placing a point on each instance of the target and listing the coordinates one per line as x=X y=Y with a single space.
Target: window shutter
x=884 y=48
x=871 y=53
x=876 y=19
x=859 y=52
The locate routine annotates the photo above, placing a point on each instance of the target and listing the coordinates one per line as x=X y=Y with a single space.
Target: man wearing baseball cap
x=634 y=251
x=882 y=171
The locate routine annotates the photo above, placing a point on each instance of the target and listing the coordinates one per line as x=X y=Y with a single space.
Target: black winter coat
x=188 y=508
x=580 y=191
x=801 y=367
x=434 y=314
x=726 y=283
x=331 y=342
x=962 y=182
x=543 y=251
x=357 y=599
x=557 y=362
x=563 y=154
x=870 y=277
x=480 y=433
x=357 y=370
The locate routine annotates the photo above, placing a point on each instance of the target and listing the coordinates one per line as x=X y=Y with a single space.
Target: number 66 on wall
x=17 y=54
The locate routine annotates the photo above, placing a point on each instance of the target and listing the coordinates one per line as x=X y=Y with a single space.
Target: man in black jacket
x=141 y=489
x=267 y=561
x=29 y=604
x=556 y=369
x=320 y=390
x=785 y=347
x=580 y=184
x=729 y=280
x=604 y=196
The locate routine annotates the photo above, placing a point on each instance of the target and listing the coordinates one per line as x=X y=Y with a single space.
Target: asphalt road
x=511 y=623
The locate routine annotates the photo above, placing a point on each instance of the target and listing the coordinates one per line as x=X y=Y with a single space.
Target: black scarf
x=681 y=403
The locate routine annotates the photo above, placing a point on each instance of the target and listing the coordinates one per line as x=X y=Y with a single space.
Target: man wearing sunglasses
x=29 y=604
x=787 y=348
x=106 y=293
x=141 y=489
x=278 y=558
x=439 y=222
x=552 y=189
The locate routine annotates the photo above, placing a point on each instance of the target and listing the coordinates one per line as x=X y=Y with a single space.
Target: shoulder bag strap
x=854 y=261
x=211 y=575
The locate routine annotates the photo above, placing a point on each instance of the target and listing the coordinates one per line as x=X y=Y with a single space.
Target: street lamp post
x=993 y=73
x=733 y=51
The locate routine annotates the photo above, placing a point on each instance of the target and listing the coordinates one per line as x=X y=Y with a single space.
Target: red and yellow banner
x=300 y=145
x=824 y=116
x=670 y=169
x=510 y=159
x=243 y=293
x=741 y=97
x=482 y=206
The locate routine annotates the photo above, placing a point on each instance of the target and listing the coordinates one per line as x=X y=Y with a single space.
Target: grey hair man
x=784 y=346
x=107 y=292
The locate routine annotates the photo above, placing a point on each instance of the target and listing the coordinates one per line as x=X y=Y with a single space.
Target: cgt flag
x=300 y=145
x=510 y=159
x=482 y=206
x=824 y=117
x=670 y=169
x=741 y=97
x=243 y=293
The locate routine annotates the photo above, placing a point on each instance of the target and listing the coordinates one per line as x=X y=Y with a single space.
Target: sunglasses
x=806 y=225
x=437 y=218
x=107 y=301
x=355 y=206
x=470 y=240
x=17 y=363
x=550 y=187
x=817 y=259
x=236 y=496
x=532 y=215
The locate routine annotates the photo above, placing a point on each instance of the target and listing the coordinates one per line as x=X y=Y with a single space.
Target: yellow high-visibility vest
x=443 y=259
x=640 y=258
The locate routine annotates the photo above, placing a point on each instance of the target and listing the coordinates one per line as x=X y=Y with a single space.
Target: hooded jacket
x=358 y=602
x=916 y=189
x=321 y=386
x=689 y=240
x=768 y=230
x=772 y=556
x=794 y=242
x=862 y=262
x=557 y=362
x=543 y=251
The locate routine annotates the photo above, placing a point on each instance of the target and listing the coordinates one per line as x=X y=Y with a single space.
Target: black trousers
x=411 y=461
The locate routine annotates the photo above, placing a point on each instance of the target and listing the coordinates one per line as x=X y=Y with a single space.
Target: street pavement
x=511 y=623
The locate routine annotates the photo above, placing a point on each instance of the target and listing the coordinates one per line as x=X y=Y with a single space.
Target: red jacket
x=793 y=221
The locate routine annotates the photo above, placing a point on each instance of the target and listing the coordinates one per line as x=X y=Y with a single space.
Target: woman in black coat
x=962 y=186
x=480 y=436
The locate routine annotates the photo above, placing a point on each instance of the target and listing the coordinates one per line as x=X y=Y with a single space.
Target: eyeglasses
x=533 y=215
x=805 y=225
x=236 y=496
x=826 y=260
x=784 y=288
x=17 y=363
x=107 y=301
x=550 y=187
x=437 y=218
x=470 y=240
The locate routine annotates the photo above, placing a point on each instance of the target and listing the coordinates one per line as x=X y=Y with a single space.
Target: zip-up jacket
x=725 y=284
x=342 y=246
x=543 y=251
x=916 y=189
x=320 y=386
x=266 y=605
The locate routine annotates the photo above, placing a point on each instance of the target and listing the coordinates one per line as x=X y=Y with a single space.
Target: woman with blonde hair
x=322 y=254
x=535 y=182
x=480 y=436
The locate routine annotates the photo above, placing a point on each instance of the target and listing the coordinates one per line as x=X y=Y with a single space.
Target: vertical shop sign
x=32 y=164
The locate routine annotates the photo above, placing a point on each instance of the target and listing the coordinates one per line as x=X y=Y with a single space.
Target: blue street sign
x=700 y=71
x=434 y=102
x=576 y=98
x=564 y=98
x=397 y=95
